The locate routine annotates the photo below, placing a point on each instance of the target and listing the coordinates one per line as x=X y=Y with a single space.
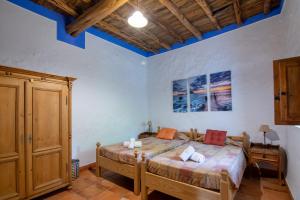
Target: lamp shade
x=137 y=20
x=272 y=136
x=264 y=128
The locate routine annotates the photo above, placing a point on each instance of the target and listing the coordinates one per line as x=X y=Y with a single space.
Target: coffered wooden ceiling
x=170 y=21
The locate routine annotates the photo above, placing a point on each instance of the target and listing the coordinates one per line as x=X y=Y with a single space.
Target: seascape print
x=180 y=96
x=220 y=91
x=198 y=93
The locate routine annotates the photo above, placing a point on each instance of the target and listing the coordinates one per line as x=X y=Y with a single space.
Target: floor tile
x=115 y=187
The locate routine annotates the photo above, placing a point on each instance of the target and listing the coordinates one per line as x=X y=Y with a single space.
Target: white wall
x=248 y=53
x=293 y=176
x=292 y=34
x=291 y=30
x=110 y=95
x=110 y=103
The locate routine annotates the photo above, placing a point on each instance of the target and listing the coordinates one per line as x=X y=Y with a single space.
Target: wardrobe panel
x=9 y=186
x=51 y=163
x=12 y=167
x=47 y=116
x=8 y=118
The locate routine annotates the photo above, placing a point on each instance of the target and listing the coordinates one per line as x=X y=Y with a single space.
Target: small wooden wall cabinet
x=287 y=91
x=35 y=133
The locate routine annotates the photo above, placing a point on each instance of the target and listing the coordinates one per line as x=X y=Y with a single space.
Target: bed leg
x=144 y=189
x=137 y=175
x=98 y=168
x=225 y=186
x=246 y=142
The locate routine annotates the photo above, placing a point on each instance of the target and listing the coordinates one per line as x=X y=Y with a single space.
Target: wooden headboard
x=193 y=134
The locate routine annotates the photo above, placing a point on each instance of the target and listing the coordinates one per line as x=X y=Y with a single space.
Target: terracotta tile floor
x=116 y=187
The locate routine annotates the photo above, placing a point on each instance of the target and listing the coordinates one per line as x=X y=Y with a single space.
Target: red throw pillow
x=215 y=137
x=166 y=133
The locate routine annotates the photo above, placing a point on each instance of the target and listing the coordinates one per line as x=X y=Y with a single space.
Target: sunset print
x=220 y=91
x=180 y=96
x=198 y=93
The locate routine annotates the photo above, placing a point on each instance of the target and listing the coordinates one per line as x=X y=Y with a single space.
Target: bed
x=126 y=162
x=218 y=177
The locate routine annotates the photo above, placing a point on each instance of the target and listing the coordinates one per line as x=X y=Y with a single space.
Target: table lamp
x=264 y=129
x=272 y=136
x=149 y=123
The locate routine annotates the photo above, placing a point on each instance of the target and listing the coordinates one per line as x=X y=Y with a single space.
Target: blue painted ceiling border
x=79 y=41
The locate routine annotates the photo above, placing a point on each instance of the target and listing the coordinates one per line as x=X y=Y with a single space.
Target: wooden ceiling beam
x=70 y=11
x=180 y=16
x=208 y=12
x=267 y=6
x=237 y=12
x=93 y=15
x=158 y=23
x=116 y=31
x=143 y=31
x=63 y=6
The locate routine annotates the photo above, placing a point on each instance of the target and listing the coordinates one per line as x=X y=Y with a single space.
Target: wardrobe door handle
x=30 y=139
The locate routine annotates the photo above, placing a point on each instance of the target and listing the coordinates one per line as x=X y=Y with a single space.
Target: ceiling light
x=137 y=20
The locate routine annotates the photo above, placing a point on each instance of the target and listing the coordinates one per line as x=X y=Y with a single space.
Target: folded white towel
x=198 y=157
x=126 y=143
x=131 y=145
x=187 y=153
x=138 y=144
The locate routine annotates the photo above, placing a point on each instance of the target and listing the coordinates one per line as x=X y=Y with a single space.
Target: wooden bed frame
x=186 y=191
x=130 y=171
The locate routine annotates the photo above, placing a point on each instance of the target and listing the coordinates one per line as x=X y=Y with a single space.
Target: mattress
x=205 y=175
x=151 y=146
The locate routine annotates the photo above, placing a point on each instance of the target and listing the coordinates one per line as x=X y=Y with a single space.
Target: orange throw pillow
x=166 y=133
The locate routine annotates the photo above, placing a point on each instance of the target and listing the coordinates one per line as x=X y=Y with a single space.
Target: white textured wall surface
x=292 y=34
x=114 y=91
x=109 y=97
x=248 y=53
x=293 y=149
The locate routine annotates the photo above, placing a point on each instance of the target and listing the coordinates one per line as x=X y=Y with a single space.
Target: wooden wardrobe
x=35 y=133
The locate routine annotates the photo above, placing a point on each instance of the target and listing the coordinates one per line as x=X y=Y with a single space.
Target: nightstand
x=146 y=134
x=269 y=154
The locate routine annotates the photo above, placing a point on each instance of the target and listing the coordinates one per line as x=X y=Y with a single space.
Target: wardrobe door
x=12 y=177
x=47 y=136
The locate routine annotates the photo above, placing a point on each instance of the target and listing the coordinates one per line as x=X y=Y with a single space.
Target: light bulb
x=137 y=20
